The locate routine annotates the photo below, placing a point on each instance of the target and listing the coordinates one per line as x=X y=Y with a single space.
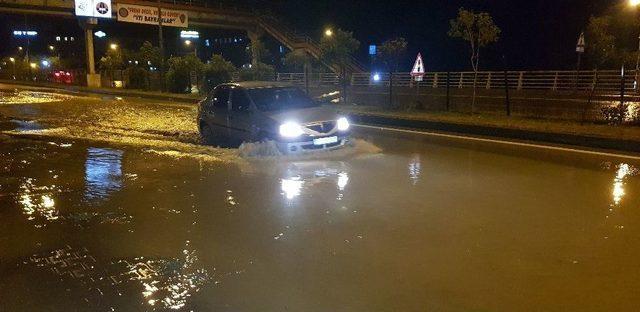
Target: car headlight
x=291 y=130
x=343 y=124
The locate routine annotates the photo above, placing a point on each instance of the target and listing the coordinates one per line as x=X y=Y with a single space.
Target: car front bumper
x=308 y=146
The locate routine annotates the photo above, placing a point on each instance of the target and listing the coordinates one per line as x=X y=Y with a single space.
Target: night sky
x=535 y=34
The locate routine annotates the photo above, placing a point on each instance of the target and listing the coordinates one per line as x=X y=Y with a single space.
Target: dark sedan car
x=257 y=111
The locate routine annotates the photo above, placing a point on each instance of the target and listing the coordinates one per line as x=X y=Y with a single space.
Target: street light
x=328 y=32
x=13 y=65
x=19 y=48
x=51 y=48
x=113 y=46
x=33 y=65
x=187 y=42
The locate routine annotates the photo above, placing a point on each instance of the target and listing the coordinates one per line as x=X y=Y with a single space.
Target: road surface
x=109 y=204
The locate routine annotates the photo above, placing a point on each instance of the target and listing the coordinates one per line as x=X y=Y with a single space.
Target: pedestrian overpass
x=200 y=15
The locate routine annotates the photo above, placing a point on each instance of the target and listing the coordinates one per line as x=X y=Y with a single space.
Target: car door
x=216 y=111
x=241 y=123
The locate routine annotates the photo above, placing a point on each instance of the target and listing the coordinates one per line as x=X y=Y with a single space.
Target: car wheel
x=207 y=136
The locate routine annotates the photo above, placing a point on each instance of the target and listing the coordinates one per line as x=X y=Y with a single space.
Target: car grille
x=323 y=127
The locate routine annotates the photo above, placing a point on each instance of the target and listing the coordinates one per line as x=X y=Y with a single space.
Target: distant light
x=57 y=38
x=52 y=48
x=19 y=48
x=13 y=60
x=25 y=33
x=189 y=34
x=100 y=34
x=113 y=46
x=45 y=63
x=207 y=42
x=373 y=49
x=376 y=77
x=187 y=42
x=634 y=3
x=136 y=62
x=33 y=65
x=328 y=32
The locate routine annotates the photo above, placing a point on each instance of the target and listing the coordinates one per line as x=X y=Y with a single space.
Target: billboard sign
x=141 y=14
x=93 y=8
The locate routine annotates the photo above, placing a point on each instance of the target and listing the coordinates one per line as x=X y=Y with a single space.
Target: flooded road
x=111 y=205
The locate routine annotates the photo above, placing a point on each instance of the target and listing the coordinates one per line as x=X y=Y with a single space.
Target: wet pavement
x=111 y=205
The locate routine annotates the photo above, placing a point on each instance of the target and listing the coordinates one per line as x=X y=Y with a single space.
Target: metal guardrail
x=603 y=80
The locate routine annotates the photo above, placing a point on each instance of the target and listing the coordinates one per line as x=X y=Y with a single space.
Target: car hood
x=305 y=115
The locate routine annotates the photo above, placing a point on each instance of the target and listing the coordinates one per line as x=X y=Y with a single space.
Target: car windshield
x=273 y=99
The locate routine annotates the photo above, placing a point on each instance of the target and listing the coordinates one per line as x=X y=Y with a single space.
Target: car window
x=239 y=100
x=220 y=98
x=274 y=99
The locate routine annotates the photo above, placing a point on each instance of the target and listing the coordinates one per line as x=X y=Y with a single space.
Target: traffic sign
x=418 y=69
x=93 y=8
x=581 y=44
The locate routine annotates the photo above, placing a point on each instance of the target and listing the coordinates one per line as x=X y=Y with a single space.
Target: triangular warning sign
x=580 y=45
x=418 y=67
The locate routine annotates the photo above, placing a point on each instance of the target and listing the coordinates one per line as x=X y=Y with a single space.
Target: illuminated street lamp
x=329 y=32
x=13 y=65
x=113 y=46
x=33 y=65
x=51 y=48
x=187 y=42
x=19 y=48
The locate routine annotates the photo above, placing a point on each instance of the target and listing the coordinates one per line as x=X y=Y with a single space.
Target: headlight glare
x=343 y=124
x=290 y=130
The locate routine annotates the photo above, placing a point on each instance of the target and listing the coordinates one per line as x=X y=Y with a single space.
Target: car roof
x=258 y=84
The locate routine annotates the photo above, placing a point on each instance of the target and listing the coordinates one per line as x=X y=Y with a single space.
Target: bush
x=217 y=71
x=137 y=78
x=178 y=76
x=616 y=114
x=259 y=72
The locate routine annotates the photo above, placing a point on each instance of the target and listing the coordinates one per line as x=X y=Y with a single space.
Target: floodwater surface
x=416 y=224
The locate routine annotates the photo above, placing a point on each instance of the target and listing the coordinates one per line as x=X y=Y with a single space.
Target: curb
x=555 y=138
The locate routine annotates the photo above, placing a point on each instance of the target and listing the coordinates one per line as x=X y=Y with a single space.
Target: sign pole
x=579 y=49
x=161 y=46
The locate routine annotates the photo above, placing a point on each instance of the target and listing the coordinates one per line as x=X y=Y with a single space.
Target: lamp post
x=635 y=4
x=13 y=65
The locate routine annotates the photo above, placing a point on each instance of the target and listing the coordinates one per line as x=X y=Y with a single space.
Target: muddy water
x=425 y=224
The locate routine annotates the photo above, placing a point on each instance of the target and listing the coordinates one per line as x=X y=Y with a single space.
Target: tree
x=296 y=60
x=150 y=55
x=259 y=71
x=338 y=48
x=112 y=60
x=217 y=71
x=336 y=51
x=262 y=53
x=392 y=51
x=180 y=69
x=479 y=30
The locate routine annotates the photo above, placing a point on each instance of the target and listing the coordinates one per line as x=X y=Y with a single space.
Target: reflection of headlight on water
x=292 y=187
x=343 y=180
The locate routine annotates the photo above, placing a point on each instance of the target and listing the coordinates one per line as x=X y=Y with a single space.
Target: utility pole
x=161 y=46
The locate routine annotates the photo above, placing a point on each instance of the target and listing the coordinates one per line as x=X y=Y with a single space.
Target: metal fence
x=603 y=80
